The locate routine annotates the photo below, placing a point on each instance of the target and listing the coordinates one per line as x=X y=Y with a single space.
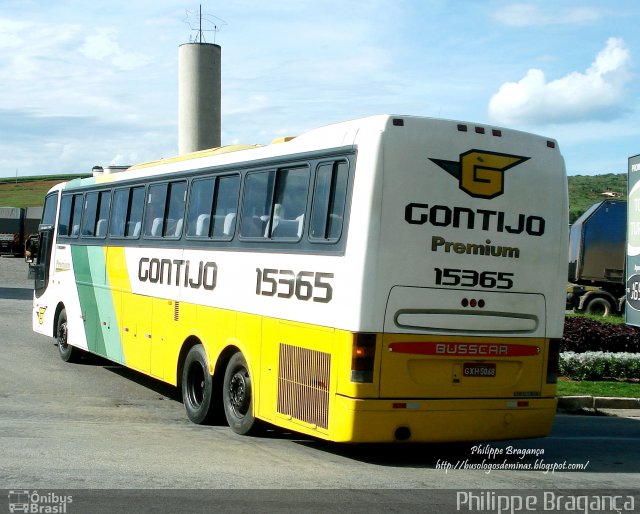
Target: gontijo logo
x=481 y=174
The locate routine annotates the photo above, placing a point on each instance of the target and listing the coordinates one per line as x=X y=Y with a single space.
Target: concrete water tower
x=199 y=94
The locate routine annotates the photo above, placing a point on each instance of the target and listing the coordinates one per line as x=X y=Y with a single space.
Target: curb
x=573 y=403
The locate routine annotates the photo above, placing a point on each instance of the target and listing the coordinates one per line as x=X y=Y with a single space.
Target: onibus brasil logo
x=22 y=500
x=480 y=173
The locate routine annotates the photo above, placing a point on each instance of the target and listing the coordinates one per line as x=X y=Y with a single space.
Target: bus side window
x=126 y=215
x=199 y=215
x=90 y=211
x=76 y=215
x=96 y=211
x=165 y=209
x=175 y=209
x=134 y=212
x=64 y=219
x=119 y=212
x=154 y=213
x=329 y=196
x=213 y=206
x=104 y=203
x=290 y=202
x=225 y=207
x=256 y=208
x=275 y=203
x=49 y=211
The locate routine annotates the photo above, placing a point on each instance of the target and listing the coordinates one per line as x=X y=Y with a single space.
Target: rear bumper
x=423 y=421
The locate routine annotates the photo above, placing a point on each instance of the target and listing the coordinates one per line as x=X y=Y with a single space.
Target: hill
x=584 y=190
x=29 y=191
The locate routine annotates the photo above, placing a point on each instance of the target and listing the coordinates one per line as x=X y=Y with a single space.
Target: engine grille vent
x=303 y=384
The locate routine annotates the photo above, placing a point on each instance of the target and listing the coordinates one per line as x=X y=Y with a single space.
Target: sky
x=96 y=83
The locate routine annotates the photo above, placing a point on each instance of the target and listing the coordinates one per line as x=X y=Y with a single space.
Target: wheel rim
x=62 y=336
x=240 y=392
x=196 y=385
x=599 y=308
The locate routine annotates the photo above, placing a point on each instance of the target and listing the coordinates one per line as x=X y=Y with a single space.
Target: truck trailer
x=597 y=258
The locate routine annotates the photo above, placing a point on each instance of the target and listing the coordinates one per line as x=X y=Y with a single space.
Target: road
x=96 y=425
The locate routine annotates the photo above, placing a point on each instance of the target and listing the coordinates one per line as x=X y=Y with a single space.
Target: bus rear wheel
x=237 y=396
x=197 y=386
x=67 y=352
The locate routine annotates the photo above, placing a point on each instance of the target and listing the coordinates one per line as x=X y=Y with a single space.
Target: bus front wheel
x=237 y=396
x=67 y=352
x=197 y=386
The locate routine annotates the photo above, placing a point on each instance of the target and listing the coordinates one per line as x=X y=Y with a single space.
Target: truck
x=11 y=230
x=597 y=259
x=32 y=218
x=19 y=229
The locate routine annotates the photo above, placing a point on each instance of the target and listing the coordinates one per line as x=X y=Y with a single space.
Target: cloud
x=11 y=32
x=104 y=46
x=596 y=94
x=526 y=15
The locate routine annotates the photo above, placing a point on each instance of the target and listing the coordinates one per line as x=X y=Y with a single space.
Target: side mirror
x=32 y=246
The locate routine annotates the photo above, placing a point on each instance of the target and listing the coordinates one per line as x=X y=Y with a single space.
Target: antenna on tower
x=202 y=23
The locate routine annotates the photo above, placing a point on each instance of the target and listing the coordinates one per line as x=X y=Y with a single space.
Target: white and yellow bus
x=391 y=278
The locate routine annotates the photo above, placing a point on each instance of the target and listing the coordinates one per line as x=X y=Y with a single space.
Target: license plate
x=478 y=370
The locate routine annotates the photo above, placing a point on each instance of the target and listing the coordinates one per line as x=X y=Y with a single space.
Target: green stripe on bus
x=96 y=303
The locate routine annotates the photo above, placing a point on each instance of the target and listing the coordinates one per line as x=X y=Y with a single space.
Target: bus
x=391 y=278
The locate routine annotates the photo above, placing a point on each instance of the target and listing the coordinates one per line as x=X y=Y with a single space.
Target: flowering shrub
x=598 y=365
x=587 y=335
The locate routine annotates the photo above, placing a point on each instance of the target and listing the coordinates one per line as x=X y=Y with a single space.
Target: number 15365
x=285 y=283
x=472 y=278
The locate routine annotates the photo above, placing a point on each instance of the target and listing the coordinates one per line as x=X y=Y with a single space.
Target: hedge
x=599 y=365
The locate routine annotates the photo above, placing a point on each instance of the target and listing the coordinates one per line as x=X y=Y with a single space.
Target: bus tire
x=67 y=352
x=599 y=306
x=237 y=396
x=197 y=386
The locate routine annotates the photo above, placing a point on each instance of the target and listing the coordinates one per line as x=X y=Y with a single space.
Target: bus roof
x=334 y=135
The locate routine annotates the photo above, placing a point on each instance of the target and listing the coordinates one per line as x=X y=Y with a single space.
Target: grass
x=24 y=195
x=29 y=191
x=568 y=387
x=614 y=320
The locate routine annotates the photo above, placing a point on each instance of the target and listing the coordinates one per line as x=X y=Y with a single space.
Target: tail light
x=363 y=357
x=553 y=361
